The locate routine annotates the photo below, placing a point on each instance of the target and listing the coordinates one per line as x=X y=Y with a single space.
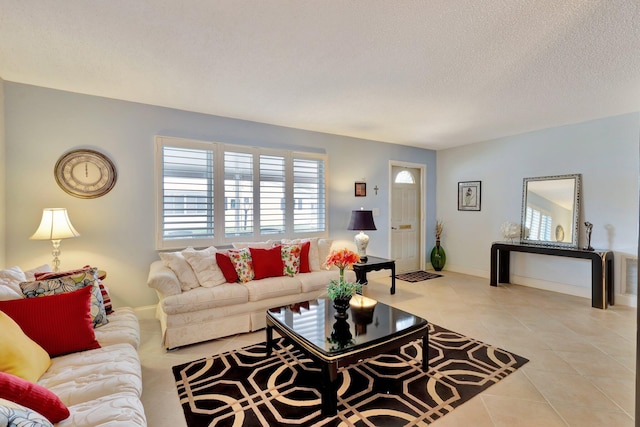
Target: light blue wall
x=604 y=151
x=118 y=229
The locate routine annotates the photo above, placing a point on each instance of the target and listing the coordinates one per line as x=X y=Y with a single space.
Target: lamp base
x=362 y=240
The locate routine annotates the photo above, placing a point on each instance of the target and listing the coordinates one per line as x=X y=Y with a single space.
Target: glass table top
x=369 y=322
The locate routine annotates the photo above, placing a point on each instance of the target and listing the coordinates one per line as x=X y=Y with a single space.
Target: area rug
x=417 y=276
x=246 y=388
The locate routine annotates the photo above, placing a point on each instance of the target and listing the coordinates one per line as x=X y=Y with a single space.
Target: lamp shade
x=55 y=225
x=362 y=220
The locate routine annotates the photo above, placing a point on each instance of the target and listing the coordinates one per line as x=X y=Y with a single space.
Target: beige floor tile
x=581 y=369
x=510 y=412
x=586 y=417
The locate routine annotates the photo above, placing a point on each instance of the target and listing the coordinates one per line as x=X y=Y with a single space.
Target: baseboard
x=145 y=312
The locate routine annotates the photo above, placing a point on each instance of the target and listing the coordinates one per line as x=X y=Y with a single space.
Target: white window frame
x=219 y=237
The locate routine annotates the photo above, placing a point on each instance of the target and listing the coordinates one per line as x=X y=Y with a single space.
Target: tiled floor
x=582 y=360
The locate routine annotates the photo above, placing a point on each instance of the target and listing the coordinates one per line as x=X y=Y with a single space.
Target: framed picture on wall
x=469 y=195
x=361 y=189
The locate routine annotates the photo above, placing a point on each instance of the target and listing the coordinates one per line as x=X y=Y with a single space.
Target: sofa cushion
x=60 y=323
x=31 y=274
x=32 y=396
x=163 y=279
x=305 y=248
x=11 y=278
x=272 y=287
x=19 y=354
x=261 y=245
x=179 y=265
x=123 y=327
x=205 y=298
x=84 y=278
x=314 y=260
x=204 y=266
x=319 y=280
x=242 y=262
x=225 y=264
x=291 y=255
x=7 y=294
x=115 y=410
x=91 y=374
x=106 y=299
x=267 y=262
x=324 y=249
x=14 y=415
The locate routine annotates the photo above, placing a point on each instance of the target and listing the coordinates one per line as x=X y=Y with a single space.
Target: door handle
x=394 y=228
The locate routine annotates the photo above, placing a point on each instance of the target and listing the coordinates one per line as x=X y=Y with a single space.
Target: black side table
x=373 y=264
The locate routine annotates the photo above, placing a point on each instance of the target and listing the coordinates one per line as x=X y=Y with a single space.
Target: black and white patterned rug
x=417 y=276
x=246 y=388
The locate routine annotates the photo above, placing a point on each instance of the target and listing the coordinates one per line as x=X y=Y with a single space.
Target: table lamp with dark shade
x=362 y=220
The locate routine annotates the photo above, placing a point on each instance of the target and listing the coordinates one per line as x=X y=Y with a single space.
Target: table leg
x=393 y=278
x=269 y=340
x=329 y=389
x=425 y=351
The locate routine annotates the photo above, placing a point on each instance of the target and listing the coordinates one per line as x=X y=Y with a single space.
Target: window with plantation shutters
x=215 y=194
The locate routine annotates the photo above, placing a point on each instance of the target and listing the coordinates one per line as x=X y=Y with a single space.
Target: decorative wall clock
x=85 y=173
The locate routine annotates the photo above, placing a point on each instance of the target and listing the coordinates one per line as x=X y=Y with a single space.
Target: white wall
x=604 y=151
x=2 y=176
x=117 y=230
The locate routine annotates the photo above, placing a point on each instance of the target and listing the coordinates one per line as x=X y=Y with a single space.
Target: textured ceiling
x=429 y=73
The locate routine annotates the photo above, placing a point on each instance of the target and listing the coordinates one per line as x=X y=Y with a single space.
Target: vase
x=341 y=305
x=438 y=257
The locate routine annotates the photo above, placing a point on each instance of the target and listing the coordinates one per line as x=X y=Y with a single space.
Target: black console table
x=602 y=292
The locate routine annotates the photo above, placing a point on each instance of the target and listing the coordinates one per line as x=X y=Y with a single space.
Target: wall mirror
x=551 y=210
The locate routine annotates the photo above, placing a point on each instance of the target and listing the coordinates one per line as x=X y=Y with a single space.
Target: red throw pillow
x=225 y=264
x=33 y=396
x=267 y=262
x=304 y=257
x=59 y=323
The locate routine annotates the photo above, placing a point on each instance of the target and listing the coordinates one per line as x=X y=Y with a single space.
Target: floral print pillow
x=291 y=259
x=242 y=262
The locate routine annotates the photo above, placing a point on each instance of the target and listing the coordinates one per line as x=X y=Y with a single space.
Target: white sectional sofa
x=99 y=378
x=205 y=313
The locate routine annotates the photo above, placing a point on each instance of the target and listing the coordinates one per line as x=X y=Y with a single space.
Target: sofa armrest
x=163 y=279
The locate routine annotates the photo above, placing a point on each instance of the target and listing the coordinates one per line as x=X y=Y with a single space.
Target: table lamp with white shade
x=55 y=226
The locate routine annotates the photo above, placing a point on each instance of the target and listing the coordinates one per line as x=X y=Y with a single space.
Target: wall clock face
x=85 y=173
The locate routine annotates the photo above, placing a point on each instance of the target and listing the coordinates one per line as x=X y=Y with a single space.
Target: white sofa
x=205 y=313
x=102 y=386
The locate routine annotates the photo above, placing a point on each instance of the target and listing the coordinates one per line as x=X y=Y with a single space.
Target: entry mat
x=245 y=388
x=417 y=276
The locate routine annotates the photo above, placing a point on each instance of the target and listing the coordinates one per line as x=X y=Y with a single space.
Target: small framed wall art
x=469 y=193
x=360 y=189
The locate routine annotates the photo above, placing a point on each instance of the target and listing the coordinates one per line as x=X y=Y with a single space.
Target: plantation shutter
x=309 y=209
x=238 y=193
x=187 y=193
x=272 y=194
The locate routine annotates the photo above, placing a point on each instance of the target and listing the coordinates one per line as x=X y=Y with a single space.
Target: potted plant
x=340 y=291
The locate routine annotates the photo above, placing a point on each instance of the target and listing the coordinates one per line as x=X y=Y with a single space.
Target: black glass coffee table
x=372 y=328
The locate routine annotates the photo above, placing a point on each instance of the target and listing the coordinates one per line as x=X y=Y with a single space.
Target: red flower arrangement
x=343 y=258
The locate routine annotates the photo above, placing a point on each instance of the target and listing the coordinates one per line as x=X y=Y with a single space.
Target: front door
x=405 y=217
